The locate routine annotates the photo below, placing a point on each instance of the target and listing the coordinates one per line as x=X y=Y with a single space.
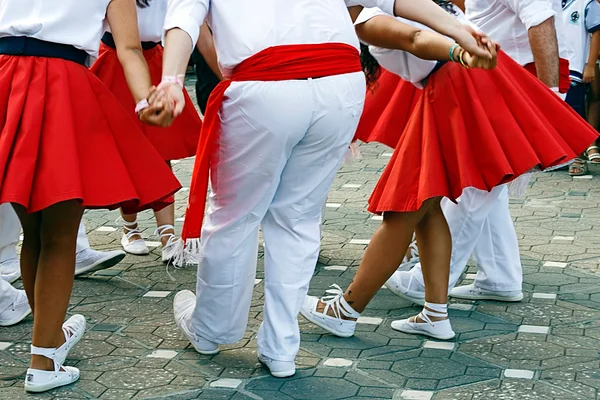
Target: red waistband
x=277 y=63
x=564 y=82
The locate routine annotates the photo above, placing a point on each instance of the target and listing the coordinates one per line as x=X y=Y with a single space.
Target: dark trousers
x=206 y=80
x=576 y=97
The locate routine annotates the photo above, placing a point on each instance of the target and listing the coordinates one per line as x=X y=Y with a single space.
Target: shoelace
x=334 y=300
x=160 y=232
x=425 y=314
x=414 y=251
x=129 y=227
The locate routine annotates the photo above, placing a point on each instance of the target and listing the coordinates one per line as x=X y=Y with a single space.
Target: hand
x=476 y=43
x=159 y=113
x=589 y=73
x=483 y=63
x=173 y=95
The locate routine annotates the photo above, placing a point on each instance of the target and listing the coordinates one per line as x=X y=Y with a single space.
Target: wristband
x=451 y=52
x=461 y=58
x=142 y=105
x=174 y=79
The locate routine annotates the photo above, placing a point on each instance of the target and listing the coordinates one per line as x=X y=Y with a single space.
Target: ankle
x=41 y=363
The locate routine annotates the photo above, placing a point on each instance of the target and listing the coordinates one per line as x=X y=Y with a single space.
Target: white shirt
x=151 y=20
x=402 y=63
x=574 y=29
x=242 y=28
x=508 y=21
x=79 y=23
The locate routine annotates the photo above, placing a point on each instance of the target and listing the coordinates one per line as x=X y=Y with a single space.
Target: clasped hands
x=482 y=52
x=166 y=103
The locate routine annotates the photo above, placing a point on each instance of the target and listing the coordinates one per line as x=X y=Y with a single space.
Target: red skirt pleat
x=173 y=143
x=387 y=110
x=476 y=128
x=64 y=136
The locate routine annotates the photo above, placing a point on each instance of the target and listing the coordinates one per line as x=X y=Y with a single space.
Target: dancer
x=480 y=223
x=84 y=152
x=517 y=127
x=87 y=260
x=274 y=136
x=173 y=143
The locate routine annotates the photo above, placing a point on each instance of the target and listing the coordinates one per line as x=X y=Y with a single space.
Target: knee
x=57 y=237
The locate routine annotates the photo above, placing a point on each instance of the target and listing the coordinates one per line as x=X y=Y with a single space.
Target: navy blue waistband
x=438 y=65
x=108 y=40
x=28 y=46
x=576 y=76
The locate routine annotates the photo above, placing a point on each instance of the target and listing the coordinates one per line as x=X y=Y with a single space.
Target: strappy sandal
x=130 y=229
x=579 y=167
x=595 y=157
x=168 y=250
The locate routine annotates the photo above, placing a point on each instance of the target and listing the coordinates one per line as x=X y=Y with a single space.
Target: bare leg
x=30 y=251
x=54 y=275
x=593 y=115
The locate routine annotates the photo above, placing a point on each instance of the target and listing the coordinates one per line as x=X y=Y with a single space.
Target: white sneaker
x=441 y=330
x=279 y=369
x=10 y=270
x=409 y=262
x=17 y=311
x=403 y=284
x=74 y=329
x=168 y=250
x=137 y=247
x=37 y=381
x=183 y=307
x=338 y=305
x=89 y=261
x=472 y=292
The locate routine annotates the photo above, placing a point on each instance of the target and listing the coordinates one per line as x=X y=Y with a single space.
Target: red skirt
x=476 y=128
x=173 y=143
x=64 y=136
x=387 y=110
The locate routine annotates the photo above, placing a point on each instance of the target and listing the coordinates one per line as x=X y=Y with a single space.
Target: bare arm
x=589 y=73
x=122 y=18
x=206 y=47
x=544 y=46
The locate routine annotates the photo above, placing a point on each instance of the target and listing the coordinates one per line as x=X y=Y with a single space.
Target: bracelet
x=461 y=58
x=174 y=79
x=451 y=53
x=142 y=105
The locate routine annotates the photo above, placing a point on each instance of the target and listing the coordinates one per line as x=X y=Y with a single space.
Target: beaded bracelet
x=451 y=53
x=462 y=60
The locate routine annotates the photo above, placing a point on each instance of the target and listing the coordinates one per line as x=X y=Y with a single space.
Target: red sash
x=564 y=82
x=279 y=63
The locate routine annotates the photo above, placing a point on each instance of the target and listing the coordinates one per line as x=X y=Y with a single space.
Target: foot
x=432 y=321
x=17 y=311
x=403 y=284
x=10 y=270
x=132 y=241
x=279 y=369
x=183 y=307
x=37 y=380
x=74 y=329
x=168 y=240
x=89 y=261
x=578 y=167
x=331 y=313
x=472 y=292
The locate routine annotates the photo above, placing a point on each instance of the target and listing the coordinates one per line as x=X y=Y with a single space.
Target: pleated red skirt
x=173 y=143
x=387 y=110
x=64 y=136
x=476 y=128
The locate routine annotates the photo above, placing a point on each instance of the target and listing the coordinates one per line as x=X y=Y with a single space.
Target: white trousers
x=281 y=146
x=481 y=224
x=10 y=230
x=7 y=295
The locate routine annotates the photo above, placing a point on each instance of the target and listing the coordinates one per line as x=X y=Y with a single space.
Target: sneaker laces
x=429 y=311
x=414 y=252
x=335 y=301
x=132 y=228
x=160 y=232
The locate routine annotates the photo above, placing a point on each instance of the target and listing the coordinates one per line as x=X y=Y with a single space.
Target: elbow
x=415 y=39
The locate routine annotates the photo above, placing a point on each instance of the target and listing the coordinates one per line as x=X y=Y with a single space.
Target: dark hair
x=371 y=67
x=142 y=3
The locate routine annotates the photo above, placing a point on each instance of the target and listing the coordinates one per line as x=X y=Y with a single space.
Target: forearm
x=594 y=49
x=206 y=47
x=177 y=52
x=136 y=72
x=544 y=46
x=430 y=14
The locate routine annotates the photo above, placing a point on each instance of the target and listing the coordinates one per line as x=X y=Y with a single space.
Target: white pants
x=481 y=224
x=281 y=146
x=7 y=295
x=10 y=229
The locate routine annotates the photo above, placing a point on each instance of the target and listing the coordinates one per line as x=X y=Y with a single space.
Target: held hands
x=159 y=111
x=475 y=61
x=477 y=44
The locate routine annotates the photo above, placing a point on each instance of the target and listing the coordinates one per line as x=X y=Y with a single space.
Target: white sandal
x=137 y=247
x=441 y=329
x=338 y=324
x=168 y=250
x=38 y=380
x=593 y=158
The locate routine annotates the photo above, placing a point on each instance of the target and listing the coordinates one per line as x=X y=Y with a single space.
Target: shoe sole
x=285 y=374
x=324 y=326
x=16 y=320
x=506 y=299
x=423 y=333
x=417 y=301
x=100 y=265
x=45 y=388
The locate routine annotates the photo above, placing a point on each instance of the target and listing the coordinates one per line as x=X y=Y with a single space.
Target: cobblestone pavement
x=544 y=348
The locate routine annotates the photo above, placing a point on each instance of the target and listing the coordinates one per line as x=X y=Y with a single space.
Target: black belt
x=28 y=46
x=435 y=69
x=108 y=40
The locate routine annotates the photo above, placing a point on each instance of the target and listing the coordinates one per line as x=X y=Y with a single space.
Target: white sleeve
x=187 y=15
x=386 y=5
x=368 y=13
x=532 y=12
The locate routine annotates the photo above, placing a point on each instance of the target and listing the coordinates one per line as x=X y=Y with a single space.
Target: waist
x=576 y=77
x=28 y=46
x=108 y=40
